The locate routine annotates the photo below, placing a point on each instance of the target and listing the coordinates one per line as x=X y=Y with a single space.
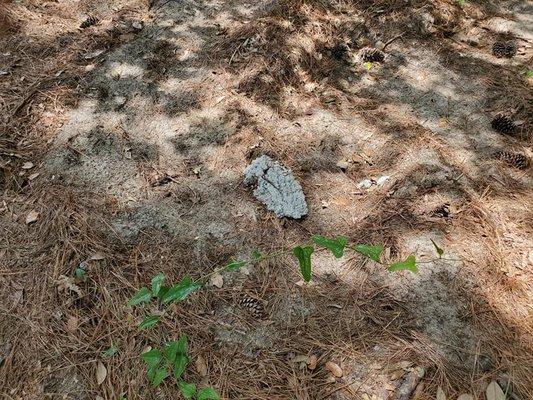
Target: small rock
x=382 y=179
x=364 y=184
x=343 y=165
x=137 y=25
x=119 y=101
x=276 y=187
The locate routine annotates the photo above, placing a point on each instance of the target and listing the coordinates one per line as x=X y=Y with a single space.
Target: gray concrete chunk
x=276 y=188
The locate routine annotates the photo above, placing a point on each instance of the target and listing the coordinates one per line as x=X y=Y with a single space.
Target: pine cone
x=503 y=124
x=370 y=54
x=340 y=51
x=442 y=211
x=515 y=160
x=253 y=305
x=504 y=49
x=89 y=22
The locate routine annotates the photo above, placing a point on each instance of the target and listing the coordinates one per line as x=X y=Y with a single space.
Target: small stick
x=392 y=40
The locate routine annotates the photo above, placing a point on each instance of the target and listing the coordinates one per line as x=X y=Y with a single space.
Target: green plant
x=174 y=356
x=173 y=360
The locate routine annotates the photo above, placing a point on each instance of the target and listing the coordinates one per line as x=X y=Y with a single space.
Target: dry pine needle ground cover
x=122 y=147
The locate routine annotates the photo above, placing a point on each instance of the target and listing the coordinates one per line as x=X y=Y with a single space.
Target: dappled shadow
x=176 y=100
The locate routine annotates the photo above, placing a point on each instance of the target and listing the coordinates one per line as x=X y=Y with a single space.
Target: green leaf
x=180 y=291
x=162 y=292
x=177 y=355
x=440 y=251
x=157 y=282
x=152 y=357
x=182 y=344
x=235 y=265
x=336 y=246
x=80 y=274
x=368 y=65
x=409 y=264
x=528 y=73
x=188 y=390
x=303 y=254
x=149 y=321
x=256 y=255
x=372 y=252
x=208 y=394
x=142 y=296
x=110 y=352
x=158 y=376
x=180 y=363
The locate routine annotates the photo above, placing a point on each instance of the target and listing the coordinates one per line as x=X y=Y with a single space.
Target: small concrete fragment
x=276 y=188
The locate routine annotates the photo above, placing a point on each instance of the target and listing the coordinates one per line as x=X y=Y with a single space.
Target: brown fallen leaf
x=201 y=366
x=217 y=280
x=32 y=217
x=96 y=257
x=312 y=362
x=66 y=284
x=335 y=370
x=101 y=373
x=72 y=324
x=494 y=392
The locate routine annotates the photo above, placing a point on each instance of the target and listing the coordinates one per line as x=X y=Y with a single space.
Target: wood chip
x=33 y=176
x=335 y=370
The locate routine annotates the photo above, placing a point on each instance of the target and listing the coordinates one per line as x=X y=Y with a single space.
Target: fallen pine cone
x=90 y=21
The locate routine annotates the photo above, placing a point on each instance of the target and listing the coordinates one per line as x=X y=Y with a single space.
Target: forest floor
x=122 y=153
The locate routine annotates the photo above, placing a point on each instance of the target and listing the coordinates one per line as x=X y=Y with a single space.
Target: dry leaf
x=494 y=392
x=201 y=366
x=27 y=165
x=33 y=176
x=32 y=217
x=313 y=360
x=217 y=280
x=101 y=373
x=72 y=324
x=64 y=283
x=440 y=394
x=465 y=397
x=97 y=257
x=334 y=369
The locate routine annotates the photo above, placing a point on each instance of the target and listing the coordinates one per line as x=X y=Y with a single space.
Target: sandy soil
x=140 y=128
